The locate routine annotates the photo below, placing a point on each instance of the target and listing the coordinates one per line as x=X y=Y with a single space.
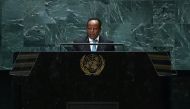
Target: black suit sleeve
x=75 y=47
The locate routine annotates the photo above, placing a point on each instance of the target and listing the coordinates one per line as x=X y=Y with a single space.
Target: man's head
x=93 y=28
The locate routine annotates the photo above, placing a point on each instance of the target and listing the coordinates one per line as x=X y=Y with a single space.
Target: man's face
x=93 y=29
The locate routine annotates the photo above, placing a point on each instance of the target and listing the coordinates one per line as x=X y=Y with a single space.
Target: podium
x=65 y=80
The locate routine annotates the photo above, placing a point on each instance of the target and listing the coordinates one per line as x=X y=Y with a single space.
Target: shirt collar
x=97 y=39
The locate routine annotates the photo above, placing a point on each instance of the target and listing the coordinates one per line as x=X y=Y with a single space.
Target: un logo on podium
x=92 y=64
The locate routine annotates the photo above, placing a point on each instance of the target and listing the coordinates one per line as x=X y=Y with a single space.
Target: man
x=93 y=37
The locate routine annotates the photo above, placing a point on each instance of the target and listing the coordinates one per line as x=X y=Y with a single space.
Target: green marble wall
x=0 y=22
x=142 y=25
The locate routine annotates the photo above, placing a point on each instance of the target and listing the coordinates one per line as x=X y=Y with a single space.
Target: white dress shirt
x=91 y=42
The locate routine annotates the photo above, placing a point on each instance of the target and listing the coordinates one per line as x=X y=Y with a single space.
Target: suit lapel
x=101 y=47
x=86 y=47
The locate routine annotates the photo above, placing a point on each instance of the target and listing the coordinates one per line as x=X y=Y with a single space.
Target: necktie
x=94 y=46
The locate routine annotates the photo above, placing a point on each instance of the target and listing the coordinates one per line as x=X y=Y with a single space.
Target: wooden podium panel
x=127 y=79
x=92 y=105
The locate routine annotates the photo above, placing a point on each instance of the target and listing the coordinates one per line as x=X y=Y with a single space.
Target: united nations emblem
x=92 y=64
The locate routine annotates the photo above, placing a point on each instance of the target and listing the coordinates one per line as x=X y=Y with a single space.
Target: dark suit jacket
x=87 y=47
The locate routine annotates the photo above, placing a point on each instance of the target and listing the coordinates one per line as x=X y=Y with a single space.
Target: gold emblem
x=92 y=64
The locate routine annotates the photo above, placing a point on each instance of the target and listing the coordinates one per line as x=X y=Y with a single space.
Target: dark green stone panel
x=142 y=25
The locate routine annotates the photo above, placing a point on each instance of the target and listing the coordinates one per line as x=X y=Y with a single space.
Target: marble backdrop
x=142 y=25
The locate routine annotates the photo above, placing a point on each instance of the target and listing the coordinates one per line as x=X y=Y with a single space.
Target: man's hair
x=99 y=21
